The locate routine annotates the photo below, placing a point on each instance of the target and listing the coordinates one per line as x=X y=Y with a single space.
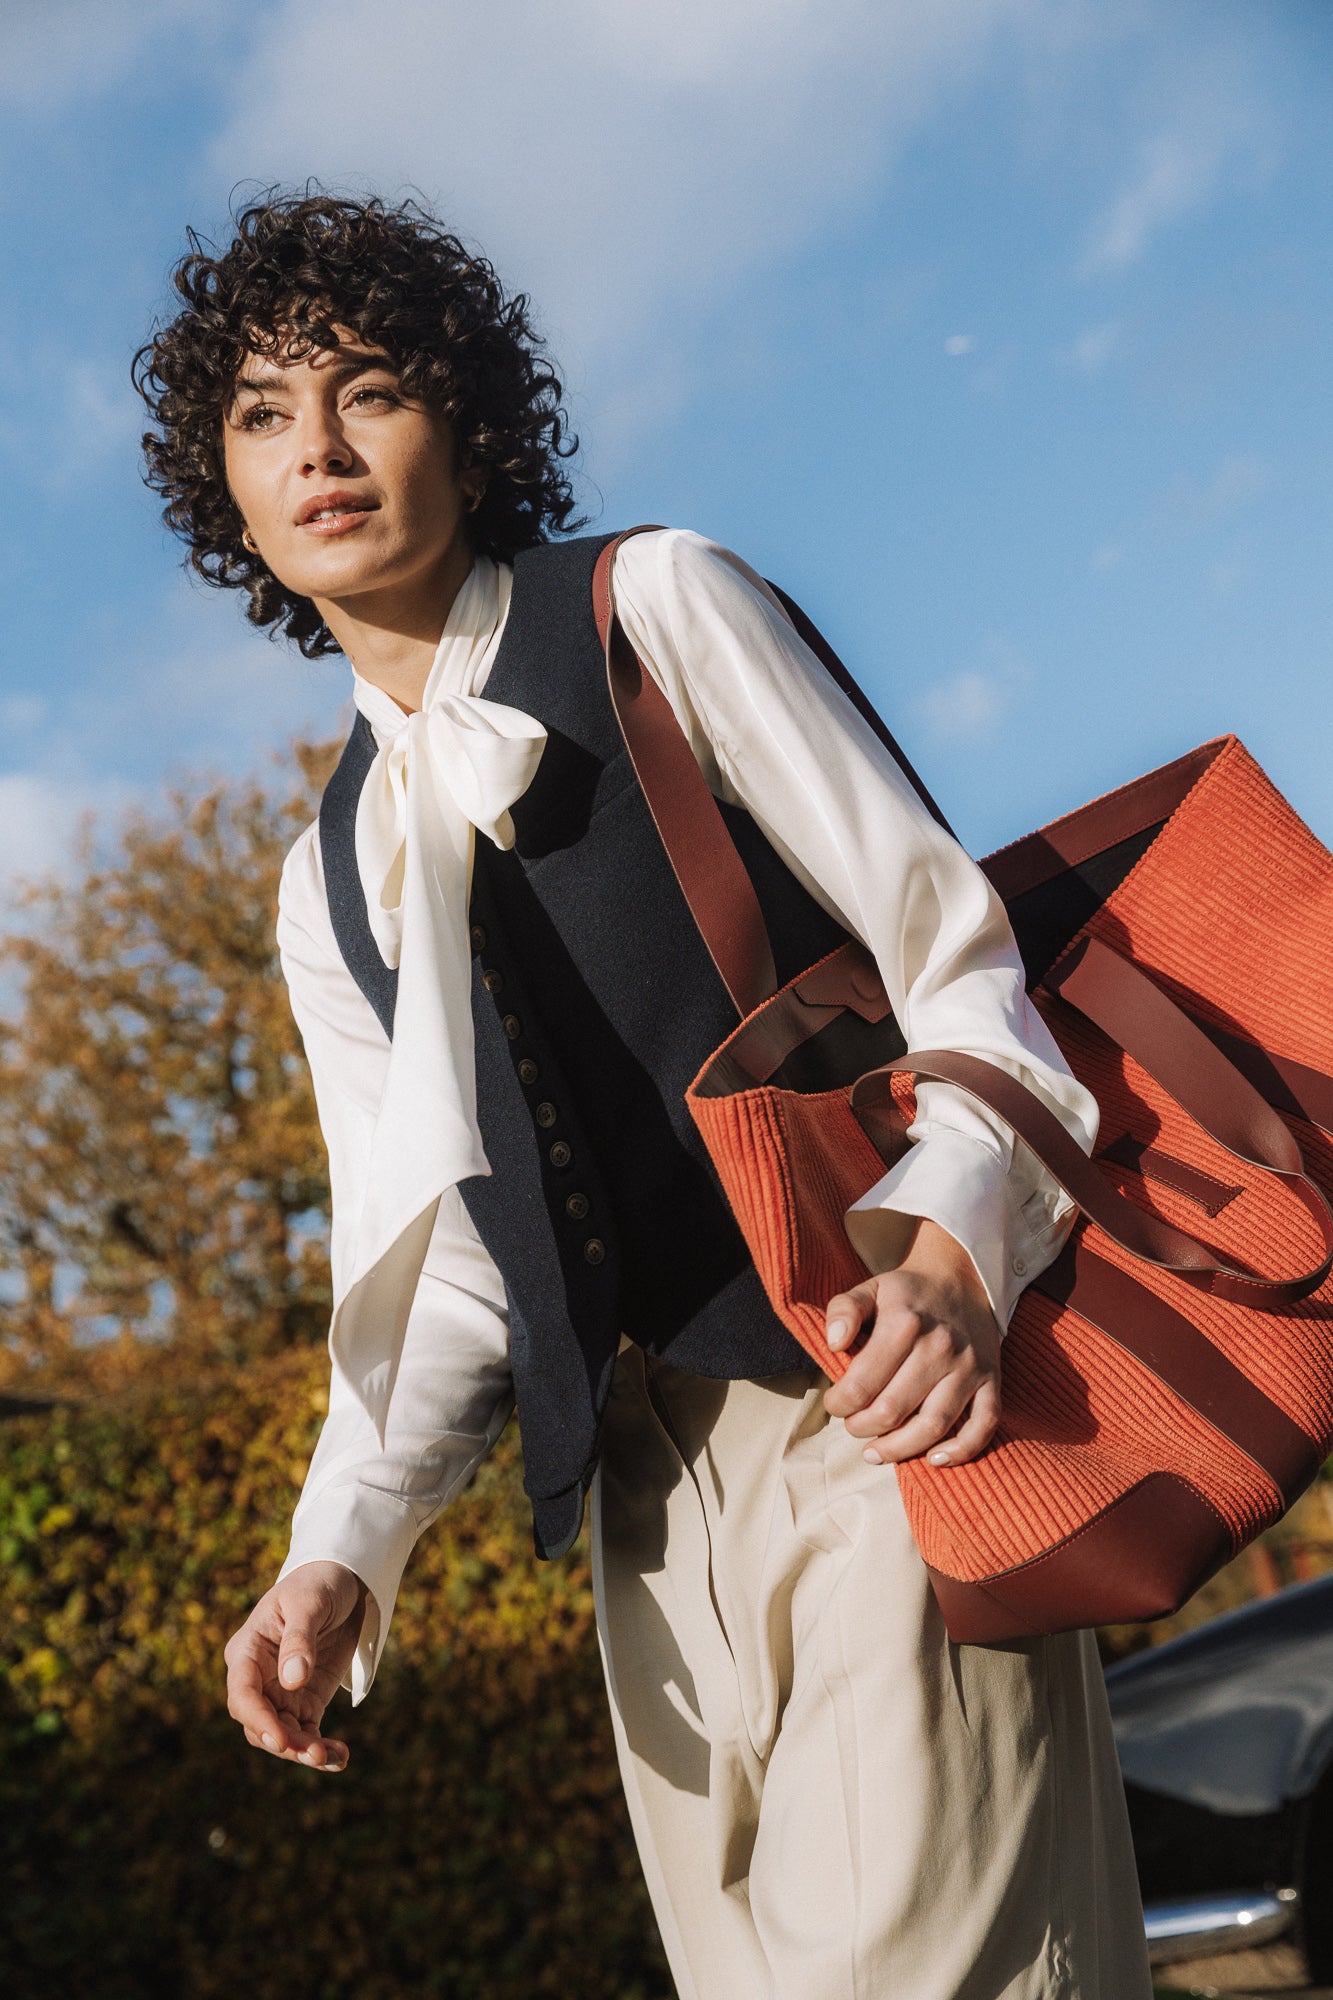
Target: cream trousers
x=831 y=1800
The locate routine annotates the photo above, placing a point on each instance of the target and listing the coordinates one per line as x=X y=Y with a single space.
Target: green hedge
x=477 y=1845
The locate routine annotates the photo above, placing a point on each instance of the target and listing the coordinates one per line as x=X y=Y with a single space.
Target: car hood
x=1237 y=1716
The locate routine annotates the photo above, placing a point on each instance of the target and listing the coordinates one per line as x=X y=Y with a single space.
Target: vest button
x=560 y=1154
x=546 y=1114
x=594 y=1250
x=528 y=1071
x=576 y=1205
x=492 y=981
x=512 y=1026
x=478 y=938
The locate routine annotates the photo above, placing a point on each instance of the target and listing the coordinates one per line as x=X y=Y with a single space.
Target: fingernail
x=293 y=1670
x=871 y=1456
x=937 y=1458
x=269 y=1742
x=838 y=1331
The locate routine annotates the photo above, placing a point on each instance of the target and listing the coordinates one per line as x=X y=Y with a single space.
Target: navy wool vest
x=594 y=1002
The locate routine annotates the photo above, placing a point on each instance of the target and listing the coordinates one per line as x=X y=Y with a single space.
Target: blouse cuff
x=959 y=1184
x=371 y=1533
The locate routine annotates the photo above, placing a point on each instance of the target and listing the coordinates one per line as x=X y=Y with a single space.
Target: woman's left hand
x=927 y=1379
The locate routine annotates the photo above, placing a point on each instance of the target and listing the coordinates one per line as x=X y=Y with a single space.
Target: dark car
x=1226 y=1743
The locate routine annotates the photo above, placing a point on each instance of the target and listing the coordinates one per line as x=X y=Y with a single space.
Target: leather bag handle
x=1143 y=1021
x=707 y=865
x=692 y=830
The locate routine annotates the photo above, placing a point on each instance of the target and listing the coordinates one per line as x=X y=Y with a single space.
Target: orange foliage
x=163 y=1184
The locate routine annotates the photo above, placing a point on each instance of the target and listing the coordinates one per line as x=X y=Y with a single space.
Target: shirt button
x=576 y=1205
x=594 y=1250
x=478 y=938
x=1019 y=1266
x=560 y=1154
x=528 y=1071
x=545 y=1114
x=512 y=1026
x=492 y=981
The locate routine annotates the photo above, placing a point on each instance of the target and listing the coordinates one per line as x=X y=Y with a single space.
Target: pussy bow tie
x=457 y=766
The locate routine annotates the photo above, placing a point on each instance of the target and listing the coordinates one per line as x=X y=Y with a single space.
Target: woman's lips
x=339 y=522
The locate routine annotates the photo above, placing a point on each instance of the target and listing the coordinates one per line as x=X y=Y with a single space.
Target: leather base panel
x=1139 y=1560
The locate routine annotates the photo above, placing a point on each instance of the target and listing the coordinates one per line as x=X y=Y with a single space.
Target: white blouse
x=420 y=1385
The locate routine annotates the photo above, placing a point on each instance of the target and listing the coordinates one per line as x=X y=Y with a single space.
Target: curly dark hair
x=298 y=266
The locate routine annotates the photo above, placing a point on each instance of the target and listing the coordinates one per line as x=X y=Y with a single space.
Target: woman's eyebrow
x=340 y=370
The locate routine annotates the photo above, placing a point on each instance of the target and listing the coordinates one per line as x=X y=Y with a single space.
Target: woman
x=502 y=996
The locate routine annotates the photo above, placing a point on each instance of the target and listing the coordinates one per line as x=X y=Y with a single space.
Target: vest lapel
x=342 y=879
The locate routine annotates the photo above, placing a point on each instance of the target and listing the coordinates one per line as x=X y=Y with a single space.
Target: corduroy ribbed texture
x=1231 y=911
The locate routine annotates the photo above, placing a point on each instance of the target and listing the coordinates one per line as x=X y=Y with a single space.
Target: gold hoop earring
x=250 y=541
x=474 y=502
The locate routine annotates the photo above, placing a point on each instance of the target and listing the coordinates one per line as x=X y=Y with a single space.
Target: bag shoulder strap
x=693 y=832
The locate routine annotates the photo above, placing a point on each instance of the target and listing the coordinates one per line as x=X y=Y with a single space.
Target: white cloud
x=1206 y=130
x=1095 y=346
x=968 y=705
x=625 y=165
x=960 y=343
x=974 y=701
x=1236 y=480
x=41 y=815
x=1172 y=176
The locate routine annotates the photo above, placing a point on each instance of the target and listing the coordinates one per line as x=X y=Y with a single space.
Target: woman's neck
x=392 y=635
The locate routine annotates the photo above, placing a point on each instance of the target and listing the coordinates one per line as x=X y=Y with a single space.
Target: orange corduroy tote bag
x=1168 y=1382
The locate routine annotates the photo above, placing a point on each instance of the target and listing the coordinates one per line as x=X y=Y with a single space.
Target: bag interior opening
x=1048 y=917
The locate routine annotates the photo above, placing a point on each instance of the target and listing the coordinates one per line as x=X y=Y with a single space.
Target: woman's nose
x=324 y=447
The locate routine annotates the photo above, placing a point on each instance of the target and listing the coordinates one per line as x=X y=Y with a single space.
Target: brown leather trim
x=848 y=977
x=1139 y=1560
x=1186 y=1361
x=1151 y=1163
x=1117 y=816
x=1140 y=1018
x=1287 y=1085
x=710 y=871
x=1147 y=1236
x=846 y=981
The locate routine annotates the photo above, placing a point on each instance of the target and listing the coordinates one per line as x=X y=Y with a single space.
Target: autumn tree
x=163 y=1187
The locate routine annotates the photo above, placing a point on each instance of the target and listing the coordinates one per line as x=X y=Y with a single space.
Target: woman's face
x=349 y=487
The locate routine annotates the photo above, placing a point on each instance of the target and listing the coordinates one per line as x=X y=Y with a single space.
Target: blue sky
x=997 y=331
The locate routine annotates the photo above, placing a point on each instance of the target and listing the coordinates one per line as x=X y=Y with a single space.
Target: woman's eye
x=377 y=395
x=257 y=417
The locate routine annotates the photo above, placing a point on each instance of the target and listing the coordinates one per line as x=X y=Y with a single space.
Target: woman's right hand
x=288 y=1659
